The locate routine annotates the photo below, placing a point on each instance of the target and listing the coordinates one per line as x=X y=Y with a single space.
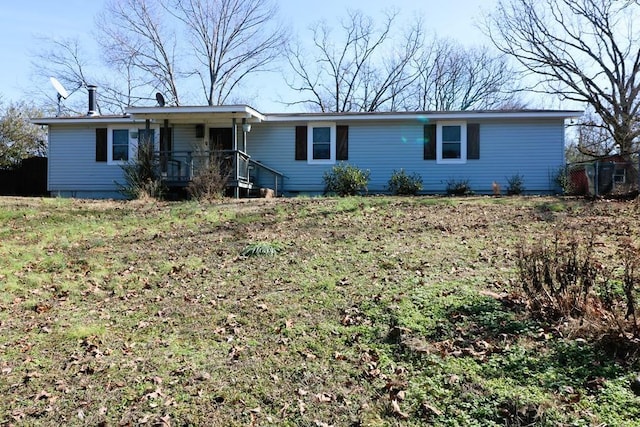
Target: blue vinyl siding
x=531 y=148
x=73 y=169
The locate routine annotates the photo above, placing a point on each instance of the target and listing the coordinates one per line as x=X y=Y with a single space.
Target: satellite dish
x=62 y=92
x=160 y=99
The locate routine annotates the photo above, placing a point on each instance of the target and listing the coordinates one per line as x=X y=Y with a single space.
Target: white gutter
x=241 y=111
x=84 y=120
x=425 y=116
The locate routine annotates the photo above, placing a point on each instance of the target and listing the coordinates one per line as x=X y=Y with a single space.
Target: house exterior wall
x=73 y=170
x=532 y=148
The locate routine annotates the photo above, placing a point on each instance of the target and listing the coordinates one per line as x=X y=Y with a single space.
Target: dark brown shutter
x=473 y=141
x=101 y=145
x=301 y=143
x=342 y=142
x=429 y=142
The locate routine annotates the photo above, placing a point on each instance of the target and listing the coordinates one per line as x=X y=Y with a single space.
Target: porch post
x=146 y=139
x=164 y=146
x=236 y=158
x=244 y=135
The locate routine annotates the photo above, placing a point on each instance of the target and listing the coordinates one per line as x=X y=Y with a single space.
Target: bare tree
x=142 y=47
x=581 y=50
x=137 y=41
x=231 y=40
x=453 y=77
x=65 y=60
x=353 y=74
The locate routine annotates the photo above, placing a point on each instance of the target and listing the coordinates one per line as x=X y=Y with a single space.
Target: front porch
x=194 y=139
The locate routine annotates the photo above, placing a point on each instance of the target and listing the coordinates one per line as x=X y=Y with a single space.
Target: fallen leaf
x=430 y=409
x=43 y=395
x=396 y=410
x=324 y=397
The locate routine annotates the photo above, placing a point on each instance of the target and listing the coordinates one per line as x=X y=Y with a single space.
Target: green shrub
x=515 y=185
x=346 y=180
x=459 y=187
x=403 y=184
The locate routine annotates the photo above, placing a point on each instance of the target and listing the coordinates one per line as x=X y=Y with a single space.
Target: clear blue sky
x=23 y=20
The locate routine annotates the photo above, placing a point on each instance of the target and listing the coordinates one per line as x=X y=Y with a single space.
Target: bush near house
x=403 y=184
x=459 y=187
x=515 y=185
x=346 y=180
x=210 y=181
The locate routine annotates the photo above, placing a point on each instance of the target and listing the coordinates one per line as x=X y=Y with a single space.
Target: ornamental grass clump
x=262 y=249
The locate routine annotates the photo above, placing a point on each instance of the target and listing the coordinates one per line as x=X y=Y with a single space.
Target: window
x=321 y=143
x=452 y=142
x=120 y=145
x=456 y=142
x=619 y=176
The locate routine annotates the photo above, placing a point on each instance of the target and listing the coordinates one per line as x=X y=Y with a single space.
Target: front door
x=220 y=139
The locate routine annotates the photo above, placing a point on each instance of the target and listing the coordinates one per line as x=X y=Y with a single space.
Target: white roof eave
x=204 y=113
x=197 y=112
x=425 y=116
x=84 y=120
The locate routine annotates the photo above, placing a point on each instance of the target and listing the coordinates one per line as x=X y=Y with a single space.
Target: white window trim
x=133 y=142
x=463 y=142
x=332 y=158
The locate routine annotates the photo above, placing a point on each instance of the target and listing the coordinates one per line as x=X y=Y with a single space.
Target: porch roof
x=197 y=114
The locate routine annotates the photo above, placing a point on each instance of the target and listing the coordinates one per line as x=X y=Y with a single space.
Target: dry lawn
x=375 y=311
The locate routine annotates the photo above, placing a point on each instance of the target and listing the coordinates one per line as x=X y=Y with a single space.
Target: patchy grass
x=381 y=311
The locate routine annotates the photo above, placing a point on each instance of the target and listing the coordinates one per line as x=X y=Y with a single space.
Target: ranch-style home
x=290 y=153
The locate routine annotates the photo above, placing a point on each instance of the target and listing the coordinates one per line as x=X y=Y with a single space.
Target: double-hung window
x=119 y=147
x=321 y=142
x=451 y=142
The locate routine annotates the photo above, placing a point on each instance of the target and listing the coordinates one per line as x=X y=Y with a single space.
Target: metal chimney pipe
x=93 y=109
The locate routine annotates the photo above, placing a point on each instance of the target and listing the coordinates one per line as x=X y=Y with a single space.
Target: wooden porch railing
x=178 y=168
